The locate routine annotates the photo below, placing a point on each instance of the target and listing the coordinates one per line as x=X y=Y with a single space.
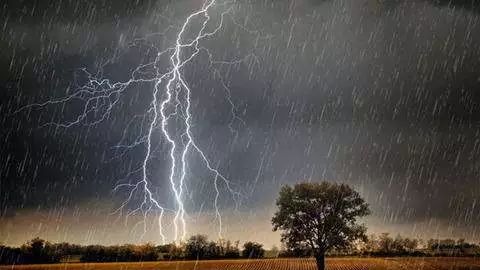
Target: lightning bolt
x=170 y=102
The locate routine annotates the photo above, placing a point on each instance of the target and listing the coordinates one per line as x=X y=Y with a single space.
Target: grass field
x=280 y=264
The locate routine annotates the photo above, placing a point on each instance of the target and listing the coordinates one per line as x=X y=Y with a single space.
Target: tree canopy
x=320 y=216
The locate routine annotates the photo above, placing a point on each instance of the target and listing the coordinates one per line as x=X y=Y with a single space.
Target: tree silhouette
x=320 y=216
x=196 y=247
x=253 y=250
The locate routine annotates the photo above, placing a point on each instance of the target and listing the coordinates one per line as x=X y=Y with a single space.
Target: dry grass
x=271 y=264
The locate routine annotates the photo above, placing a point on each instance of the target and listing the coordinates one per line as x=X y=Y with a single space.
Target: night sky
x=382 y=95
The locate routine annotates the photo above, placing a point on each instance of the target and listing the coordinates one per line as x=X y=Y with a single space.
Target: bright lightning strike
x=170 y=102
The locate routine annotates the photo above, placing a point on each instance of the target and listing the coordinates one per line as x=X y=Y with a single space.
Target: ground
x=280 y=264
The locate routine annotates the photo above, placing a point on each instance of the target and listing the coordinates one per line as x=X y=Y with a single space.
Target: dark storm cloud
x=44 y=44
x=380 y=94
x=465 y=4
x=398 y=88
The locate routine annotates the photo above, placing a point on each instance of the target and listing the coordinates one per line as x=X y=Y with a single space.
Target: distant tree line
x=384 y=245
x=39 y=251
x=198 y=247
x=35 y=251
x=122 y=253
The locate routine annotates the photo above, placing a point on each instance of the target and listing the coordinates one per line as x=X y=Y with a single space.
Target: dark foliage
x=198 y=247
x=124 y=253
x=35 y=251
x=253 y=250
x=320 y=217
x=40 y=251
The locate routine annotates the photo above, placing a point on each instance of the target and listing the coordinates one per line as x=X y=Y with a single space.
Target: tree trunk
x=320 y=258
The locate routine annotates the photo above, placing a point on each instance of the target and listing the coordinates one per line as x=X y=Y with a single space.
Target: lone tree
x=320 y=216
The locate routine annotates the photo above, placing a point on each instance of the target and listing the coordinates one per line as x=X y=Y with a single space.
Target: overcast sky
x=382 y=95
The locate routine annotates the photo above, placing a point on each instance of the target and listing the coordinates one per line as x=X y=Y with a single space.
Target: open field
x=280 y=264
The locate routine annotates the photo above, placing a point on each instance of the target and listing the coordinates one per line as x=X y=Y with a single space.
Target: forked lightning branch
x=170 y=102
